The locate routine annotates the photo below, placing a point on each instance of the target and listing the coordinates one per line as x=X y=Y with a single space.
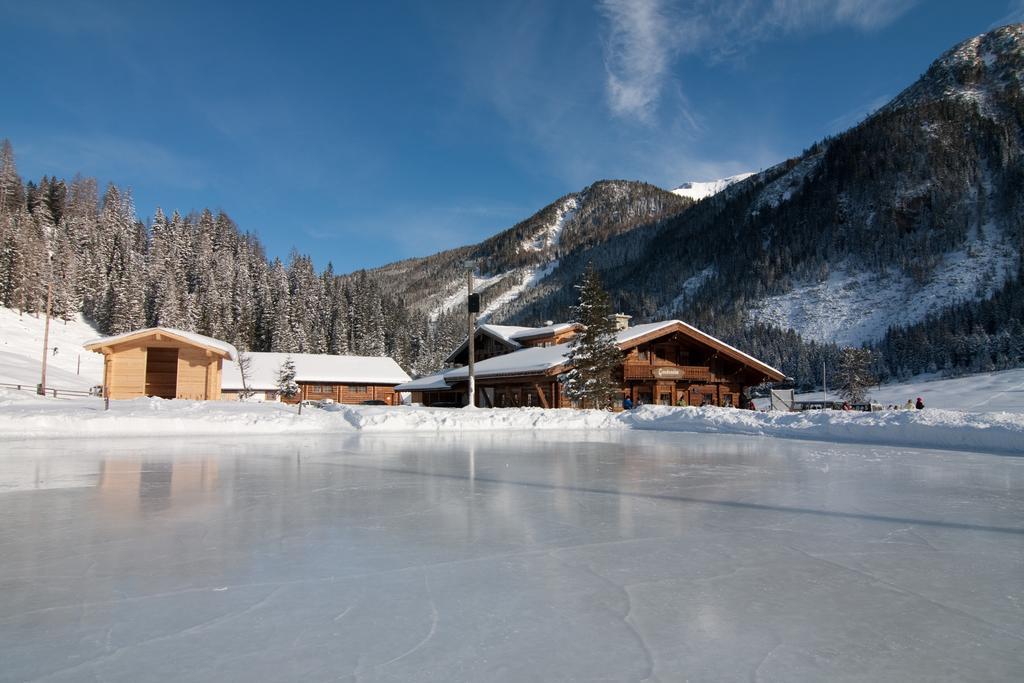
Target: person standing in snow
x=627 y=403
x=920 y=404
x=909 y=405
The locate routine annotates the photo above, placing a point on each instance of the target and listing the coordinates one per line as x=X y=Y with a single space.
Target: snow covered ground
x=850 y=307
x=994 y=391
x=24 y=415
x=577 y=556
x=21 y=347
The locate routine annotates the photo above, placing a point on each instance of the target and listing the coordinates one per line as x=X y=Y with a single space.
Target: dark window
x=643 y=354
x=357 y=388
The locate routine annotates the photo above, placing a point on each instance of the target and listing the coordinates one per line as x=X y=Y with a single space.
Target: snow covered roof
x=511 y=334
x=637 y=331
x=542 y=359
x=528 y=361
x=314 y=367
x=429 y=383
x=554 y=328
x=189 y=337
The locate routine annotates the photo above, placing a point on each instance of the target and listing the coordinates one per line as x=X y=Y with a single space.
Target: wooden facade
x=345 y=393
x=320 y=377
x=159 y=362
x=674 y=364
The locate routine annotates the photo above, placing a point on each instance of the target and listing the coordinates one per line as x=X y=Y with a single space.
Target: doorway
x=162 y=372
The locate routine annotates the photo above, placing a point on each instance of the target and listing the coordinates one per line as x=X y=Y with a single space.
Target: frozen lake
x=509 y=557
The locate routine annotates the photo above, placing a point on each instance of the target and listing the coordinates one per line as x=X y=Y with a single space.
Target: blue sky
x=363 y=133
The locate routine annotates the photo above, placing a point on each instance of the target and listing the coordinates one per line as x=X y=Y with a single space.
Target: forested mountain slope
x=917 y=209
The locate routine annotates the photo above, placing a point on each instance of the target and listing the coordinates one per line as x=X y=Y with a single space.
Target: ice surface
x=615 y=557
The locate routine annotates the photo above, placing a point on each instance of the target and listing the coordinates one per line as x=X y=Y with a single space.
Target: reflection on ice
x=508 y=557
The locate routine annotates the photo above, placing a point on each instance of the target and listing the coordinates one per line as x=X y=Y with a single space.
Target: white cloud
x=643 y=37
x=637 y=54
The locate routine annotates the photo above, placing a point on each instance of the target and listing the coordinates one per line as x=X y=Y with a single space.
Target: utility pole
x=824 y=386
x=472 y=308
x=46 y=338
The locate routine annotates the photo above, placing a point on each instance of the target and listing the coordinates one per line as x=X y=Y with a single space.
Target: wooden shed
x=163 y=362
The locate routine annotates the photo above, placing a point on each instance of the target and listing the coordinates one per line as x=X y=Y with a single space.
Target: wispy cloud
x=643 y=37
x=857 y=114
x=60 y=16
x=120 y=159
x=1015 y=14
x=638 y=51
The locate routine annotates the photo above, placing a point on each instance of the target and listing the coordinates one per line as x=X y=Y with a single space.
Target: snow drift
x=24 y=415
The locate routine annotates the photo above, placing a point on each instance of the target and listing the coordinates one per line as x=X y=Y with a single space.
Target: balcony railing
x=691 y=373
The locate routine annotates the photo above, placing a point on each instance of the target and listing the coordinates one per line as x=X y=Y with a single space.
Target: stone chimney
x=621 y=321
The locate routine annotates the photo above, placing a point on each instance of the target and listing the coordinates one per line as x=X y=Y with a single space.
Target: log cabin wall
x=198 y=375
x=126 y=377
x=352 y=394
x=176 y=370
x=548 y=340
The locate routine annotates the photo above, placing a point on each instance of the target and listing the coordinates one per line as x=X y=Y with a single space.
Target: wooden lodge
x=665 y=363
x=342 y=379
x=162 y=362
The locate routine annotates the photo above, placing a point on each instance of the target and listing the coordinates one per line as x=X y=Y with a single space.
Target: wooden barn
x=665 y=363
x=342 y=379
x=162 y=362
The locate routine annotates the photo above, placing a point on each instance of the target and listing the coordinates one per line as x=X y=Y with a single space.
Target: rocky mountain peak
x=983 y=69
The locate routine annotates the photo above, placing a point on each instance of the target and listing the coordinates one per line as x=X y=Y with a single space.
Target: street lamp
x=472 y=308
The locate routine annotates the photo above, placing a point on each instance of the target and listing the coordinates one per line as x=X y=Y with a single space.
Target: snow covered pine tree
x=286 y=383
x=593 y=352
x=855 y=376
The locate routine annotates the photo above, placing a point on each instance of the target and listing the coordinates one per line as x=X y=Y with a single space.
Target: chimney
x=549 y=323
x=621 y=321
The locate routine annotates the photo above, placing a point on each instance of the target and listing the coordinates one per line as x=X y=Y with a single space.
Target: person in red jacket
x=920 y=404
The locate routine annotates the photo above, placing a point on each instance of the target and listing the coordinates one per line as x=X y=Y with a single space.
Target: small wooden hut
x=163 y=362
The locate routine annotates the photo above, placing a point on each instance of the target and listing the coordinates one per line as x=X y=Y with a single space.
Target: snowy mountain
x=698 y=190
x=904 y=231
x=981 y=71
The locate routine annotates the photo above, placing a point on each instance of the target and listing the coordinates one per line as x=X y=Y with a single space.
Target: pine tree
x=593 y=352
x=286 y=383
x=854 y=374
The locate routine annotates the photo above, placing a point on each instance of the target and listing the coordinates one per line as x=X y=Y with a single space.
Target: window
x=357 y=388
x=643 y=354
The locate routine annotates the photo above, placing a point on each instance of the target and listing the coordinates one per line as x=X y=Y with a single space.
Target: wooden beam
x=543 y=398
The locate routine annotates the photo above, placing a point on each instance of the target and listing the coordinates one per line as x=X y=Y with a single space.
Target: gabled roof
x=216 y=345
x=512 y=335
x=313 y=367
x=633 y=336
x=545 y=360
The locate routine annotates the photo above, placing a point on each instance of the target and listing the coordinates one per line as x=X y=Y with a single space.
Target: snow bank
x=946 y=429
x=24 y=415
